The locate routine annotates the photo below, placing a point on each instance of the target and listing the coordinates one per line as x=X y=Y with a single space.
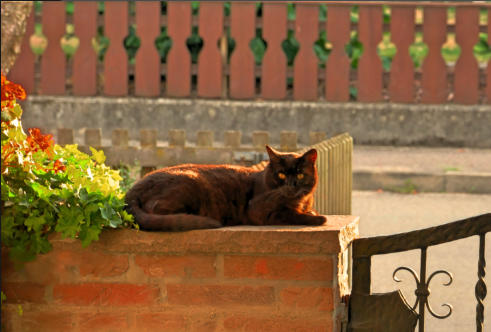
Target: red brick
x=8 y=269
x=278 y=268
x=46 y=322
x=177 y=266
x=44 y=270
x=276 y=324
x=66 y=266
x=92 y=263
x=203 y=324
x=150 y=322
x=106 y=294
x=324 y=240
x=21 y=292
x=103 y=322
x=188 y=294
x=9 y=318
x=320 y=298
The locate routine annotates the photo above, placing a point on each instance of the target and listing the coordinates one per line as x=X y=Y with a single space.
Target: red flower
x=58 y=166
x=37 y=141
x=11 y=92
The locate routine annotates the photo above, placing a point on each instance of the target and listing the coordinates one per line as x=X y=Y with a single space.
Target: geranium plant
x=47 y=188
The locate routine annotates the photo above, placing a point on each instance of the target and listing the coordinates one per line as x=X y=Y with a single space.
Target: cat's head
x=291 y=169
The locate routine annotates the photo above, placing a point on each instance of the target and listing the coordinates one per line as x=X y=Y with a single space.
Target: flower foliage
x=47 y=188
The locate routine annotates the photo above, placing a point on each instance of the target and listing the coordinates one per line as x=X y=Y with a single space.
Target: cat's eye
x=282 y=176
x=300 y=176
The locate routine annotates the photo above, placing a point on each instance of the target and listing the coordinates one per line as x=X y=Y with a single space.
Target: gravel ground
x=388 y=213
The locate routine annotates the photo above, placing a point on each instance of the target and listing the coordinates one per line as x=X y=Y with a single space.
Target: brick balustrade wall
x=230 y=279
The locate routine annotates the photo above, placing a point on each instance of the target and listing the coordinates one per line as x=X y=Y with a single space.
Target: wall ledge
x=332 y=237
x=227 y=279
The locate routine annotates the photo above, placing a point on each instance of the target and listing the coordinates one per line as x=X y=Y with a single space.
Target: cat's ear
x=310 y=156
x=273 y=154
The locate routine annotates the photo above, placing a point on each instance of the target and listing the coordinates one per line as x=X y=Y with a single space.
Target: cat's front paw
x=318 y=220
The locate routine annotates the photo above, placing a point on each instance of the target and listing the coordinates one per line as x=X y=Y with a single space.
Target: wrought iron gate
x=390 y=311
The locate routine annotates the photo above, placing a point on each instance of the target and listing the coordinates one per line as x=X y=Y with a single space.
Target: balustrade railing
x=407 y=52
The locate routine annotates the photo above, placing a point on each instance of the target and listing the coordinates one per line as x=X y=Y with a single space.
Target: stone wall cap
x=332 y=238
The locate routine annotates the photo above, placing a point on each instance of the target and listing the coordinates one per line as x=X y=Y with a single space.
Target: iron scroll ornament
x=423 y=291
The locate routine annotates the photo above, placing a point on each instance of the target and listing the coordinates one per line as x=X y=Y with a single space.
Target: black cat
x=187 y=197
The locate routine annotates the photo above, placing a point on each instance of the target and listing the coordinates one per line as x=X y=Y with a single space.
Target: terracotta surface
x=116 y=59
x=269 y=278
x=147 y=60
x=85 y=59
x=178 y=78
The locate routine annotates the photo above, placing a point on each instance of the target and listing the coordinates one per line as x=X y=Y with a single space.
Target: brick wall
x=229 y=279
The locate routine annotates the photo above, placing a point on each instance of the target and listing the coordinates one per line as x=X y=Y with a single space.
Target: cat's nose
x=290 y=182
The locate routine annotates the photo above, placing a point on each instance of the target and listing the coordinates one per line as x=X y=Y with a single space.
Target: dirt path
x=388 y=213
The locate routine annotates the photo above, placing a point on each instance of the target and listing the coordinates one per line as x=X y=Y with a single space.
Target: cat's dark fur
x=190 y=196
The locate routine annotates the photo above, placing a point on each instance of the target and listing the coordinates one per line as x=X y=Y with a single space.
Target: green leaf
x=89 y=234
x=107 y=211
x=8 y=227
x=40 y=244
x=19 y=253
x=84 y=195
x=35 y=223
x=69 y=221
x=115 y=222
x=40 y=190
x=17 y=110
x=98 y=156
x=126 y=216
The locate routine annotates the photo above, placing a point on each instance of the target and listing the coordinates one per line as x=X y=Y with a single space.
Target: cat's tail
x=171 y=222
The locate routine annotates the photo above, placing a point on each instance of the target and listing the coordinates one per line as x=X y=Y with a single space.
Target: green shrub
x=47 y=188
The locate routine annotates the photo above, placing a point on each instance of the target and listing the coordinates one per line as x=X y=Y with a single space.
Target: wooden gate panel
x=466 y=72
x=401 y=87
x=210 y=66
x=488 y=68
x=179 y=58
x=434 y=81
x=274 y=66
x=85 y=59
x=243 y=30
x=305 y=66
x=147 y=60
x=369 y=66
x=338 y=27
x=53 y=61
x=116 y=58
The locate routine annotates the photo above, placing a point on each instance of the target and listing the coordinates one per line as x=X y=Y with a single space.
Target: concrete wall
x=230 y=279
x=381 y=123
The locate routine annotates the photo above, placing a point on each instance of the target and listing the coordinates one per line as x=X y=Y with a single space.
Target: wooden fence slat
x=466 y=78
x=338 y=64
x=434 y=80
x=274 y=65
x=116 y=58
x=401 y=86
x=53 y=61
x=488 y=68
x=22 y=71
x=306 y=63
x=147 y=60
x=243 y=30
x=210 y=66
x=93 y=137
x=85 y=59
x=179 y=58
x=370 y=69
